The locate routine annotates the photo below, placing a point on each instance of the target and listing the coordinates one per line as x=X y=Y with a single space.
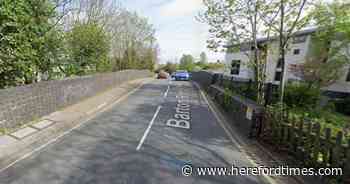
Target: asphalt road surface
x=145 y=139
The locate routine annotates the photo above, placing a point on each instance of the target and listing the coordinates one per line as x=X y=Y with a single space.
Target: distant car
x=162 y=75
x=182 y=75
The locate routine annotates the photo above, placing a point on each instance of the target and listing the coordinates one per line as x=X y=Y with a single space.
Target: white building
x=298 y=50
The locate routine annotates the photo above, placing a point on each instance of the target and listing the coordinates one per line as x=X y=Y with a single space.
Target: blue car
x=182 y=75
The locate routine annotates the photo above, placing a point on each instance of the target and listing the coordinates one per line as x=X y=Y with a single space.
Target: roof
x=298 y=33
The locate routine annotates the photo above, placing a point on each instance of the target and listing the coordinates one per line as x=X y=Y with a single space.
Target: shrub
x=301 y=95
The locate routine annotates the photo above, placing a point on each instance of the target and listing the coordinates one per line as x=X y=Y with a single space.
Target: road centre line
x=166 y=92
x=148 y=129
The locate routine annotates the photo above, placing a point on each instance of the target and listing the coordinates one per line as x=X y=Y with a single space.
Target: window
x=299 y=39
x=296 y=51
x=278 y=76
x=235 y=67
x=348 y=77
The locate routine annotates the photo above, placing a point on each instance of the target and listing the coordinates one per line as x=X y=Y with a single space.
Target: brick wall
x=23 y=104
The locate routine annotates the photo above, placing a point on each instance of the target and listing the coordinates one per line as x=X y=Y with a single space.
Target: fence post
x=327 y=146
x=300 y=142
x=336 y=156
x=316 y=150
x=292 y=135
x=308 y=144
x=347 y=164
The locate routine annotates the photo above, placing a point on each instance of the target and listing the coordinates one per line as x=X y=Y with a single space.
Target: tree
x=203 y=59
x=169 y=67
x=187 y=62
x=44 y=39
x=88 y=45
x=29 y=41
x=288 y=18
x=131 y=36
x=222 y=16
x=325 y=64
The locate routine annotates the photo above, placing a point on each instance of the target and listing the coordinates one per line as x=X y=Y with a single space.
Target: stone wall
x=23 y=104
x=203 y=78
x=242 y=112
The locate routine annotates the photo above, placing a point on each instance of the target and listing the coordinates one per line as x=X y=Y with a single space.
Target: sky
x=177 y=30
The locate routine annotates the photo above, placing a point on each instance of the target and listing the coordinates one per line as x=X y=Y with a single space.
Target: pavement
x=145 y=137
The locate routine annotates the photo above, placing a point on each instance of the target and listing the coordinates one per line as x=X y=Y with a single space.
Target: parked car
x=162 y=75
x=182 y=75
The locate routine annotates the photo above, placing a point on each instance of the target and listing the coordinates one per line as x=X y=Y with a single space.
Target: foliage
x=172 y=67
x=169 y=67
x=244 y=89
x=214 y=66
x=88 y=45
x=28 y=43
x=44 y=40
x=186 y=62
x=227 y=101
x=225 y=31
x=327 y=118
x=302 y=96
x=325 y=64
x=133 y=41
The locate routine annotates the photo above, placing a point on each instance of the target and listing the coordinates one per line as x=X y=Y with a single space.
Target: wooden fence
x=309 y=142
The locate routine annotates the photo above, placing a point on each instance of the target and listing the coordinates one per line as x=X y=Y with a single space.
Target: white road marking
x=68 y=131
x=91 y=111
x=97 y=108
x=100 y=106
x=166 y=92
x=148 y=128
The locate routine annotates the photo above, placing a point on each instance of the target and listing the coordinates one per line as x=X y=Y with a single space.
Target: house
x=297 y=52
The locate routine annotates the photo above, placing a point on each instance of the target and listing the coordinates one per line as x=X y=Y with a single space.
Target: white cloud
x=180 y=7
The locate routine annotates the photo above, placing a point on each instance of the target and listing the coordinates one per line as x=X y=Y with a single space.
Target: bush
x=302 y=96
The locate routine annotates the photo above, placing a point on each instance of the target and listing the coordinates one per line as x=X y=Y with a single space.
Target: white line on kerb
x=148 y=128
x=166 y=92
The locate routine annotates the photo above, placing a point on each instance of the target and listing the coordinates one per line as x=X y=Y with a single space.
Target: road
x=146 y=138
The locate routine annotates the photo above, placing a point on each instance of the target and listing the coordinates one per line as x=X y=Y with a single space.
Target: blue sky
x=177 y=30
